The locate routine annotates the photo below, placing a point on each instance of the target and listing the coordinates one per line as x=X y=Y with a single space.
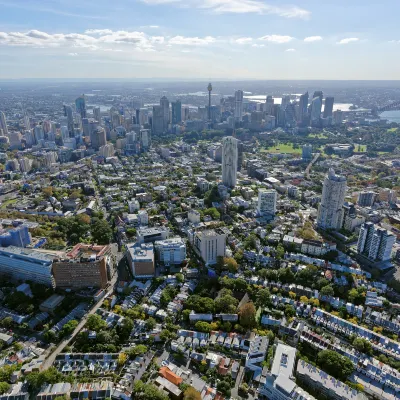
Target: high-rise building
x=3 y=123
x=267 y=202
x=366 y=199
x=158 y=120
x=70 y=119
x=375 y=243
x=144 y=139
x=164 y=103
x=269 y=105
x=315 y=109
x=330 y=211
x=97 y=114
x=27 y=122
x=15 y=140
x=209 y=245
x=39 y=134
x=229 y=160
x=285 y=101
x=238 y=105
x=85 y=127
x=306 y=152
x=98 y=138
x=303 y=106
x=80 y=104
x=328 y=109
x=290 y=114
x=170 y=251
x=176 y=112
x=320 y=94
x=240 y=155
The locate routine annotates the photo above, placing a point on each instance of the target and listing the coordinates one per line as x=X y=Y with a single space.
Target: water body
x=391 y=116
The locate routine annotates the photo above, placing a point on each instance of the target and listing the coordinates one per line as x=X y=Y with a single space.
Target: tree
x=68 y=328
x=247 y=315
x=280 y=251
x=4 y=387
x=200 y=304
x=226 y=303
x=95 y=323
x=263 y=297
x=191 y=394
x=147 y=391
x=362 y=345
x=334 y=364
x=48 y=191
x=327 y=291
x=122 y=357
x=289 y=311
x=138 y=350
x=101 y=232
x=231 y=264
x=7 y=322
x=180 y=278
x=202 y=326
x=150 y=323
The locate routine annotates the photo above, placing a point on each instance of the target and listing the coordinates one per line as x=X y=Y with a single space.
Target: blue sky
x=206 y=39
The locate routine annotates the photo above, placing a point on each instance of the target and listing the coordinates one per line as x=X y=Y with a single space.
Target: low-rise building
x=141 y=259
x=51 y=303
x=171 y=251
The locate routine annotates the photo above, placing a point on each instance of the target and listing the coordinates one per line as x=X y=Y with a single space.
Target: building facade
x=210 y=244
x=267 y=201
x=229 y=161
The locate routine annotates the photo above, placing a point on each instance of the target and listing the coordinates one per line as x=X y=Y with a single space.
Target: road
x=52 y=356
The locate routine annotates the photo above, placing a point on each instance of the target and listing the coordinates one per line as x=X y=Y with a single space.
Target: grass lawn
x=362 y=148
x=7 y=202
x=392 y=129
x=282 y=148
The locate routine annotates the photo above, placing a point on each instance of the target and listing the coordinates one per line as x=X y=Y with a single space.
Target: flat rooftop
x=284 y=360
x=26 y=253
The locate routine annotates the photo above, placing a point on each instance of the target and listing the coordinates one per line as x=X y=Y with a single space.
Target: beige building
x=210 y=244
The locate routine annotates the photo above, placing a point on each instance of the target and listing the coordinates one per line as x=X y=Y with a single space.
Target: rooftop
x=284 y=360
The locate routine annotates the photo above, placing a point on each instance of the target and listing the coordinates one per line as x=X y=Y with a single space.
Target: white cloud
x=276 y=38
x=257 y=45
x=238 y=7
x=394 y=41
x=73 y=54
x=348 y=40
x=98 y=31
x=290 y=50
x=191 y=41
x=244 y=40
x=311 y=39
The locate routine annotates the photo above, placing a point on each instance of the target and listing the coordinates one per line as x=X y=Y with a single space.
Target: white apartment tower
x=238 y=105
x=267 y=201
x=229 y=160
x=330 y=212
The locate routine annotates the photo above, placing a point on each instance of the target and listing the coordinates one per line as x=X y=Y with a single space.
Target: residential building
x=315 y=110
x=80 y=105
x=238 y=105
x=3 y=123
x=366 y=199
x=84 y=266
x=210 y=244
x=330 y=212
x=141 y=259
x=158 y=120
x=176 y=112
x=26 y=265
x=267 y=202
x=164 y=104
x=229 y=161
x=171 y=251
x=328 y=108
x=17 y=236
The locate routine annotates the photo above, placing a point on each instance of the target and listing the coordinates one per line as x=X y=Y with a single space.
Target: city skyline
x=251 y=39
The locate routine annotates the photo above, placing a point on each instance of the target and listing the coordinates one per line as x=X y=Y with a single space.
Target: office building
x=17 y=236
x=306 y=152
x=330 y=211
x=320 y=94
x=315 y=110
x=176 y=112
x=14 y=140
x=375 y=243
x=38 y=132
x=141 y=259
x=303 y=107
x=97 y=115
x=210 y=244
x=70 y=119
x=267 y=202
x=269 y=105
x=80 y=104
x=170 y=251
x=21 y=264
x=328 y=108
x=229 y=160
x=84 y=266
x=98 y=138
x=366 y=199
x=164 y=103
x=238 y=105
x=158 y=120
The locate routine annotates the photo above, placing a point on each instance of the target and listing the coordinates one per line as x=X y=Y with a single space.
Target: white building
x=143 y=217
x=3 y=123
x=330 y=212
x=194 y=216
x=229 y=161
x=375 y=243
x=267 y=201
x=210 y=244
x=107 y=150
x=238 y=105
x=133 y=206
x=171 y=251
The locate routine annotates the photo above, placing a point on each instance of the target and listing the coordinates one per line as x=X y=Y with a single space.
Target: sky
x=202 y=39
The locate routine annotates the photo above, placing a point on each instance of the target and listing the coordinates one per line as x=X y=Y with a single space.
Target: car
x=164 y=363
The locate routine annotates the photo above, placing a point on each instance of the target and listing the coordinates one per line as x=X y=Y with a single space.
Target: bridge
x=389 y=107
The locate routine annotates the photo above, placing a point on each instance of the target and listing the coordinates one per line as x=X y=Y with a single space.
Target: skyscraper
x=269 y=105
x=70 y=119
x=303 y=106
x=80 y=104
x=238 y=105
x=315 y=109
x=158 y=120
x=3 y=123
x=39 y=133
x=320 y=94
x=176 y=112
x=330 y=211
x=97 y=114
x=98 y=137
x=328 y=109
x=164 y=103
x=229 y=160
